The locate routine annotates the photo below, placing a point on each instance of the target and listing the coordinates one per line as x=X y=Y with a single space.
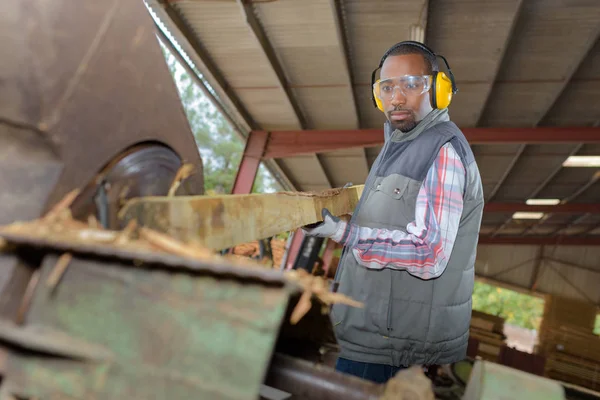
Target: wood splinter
x=58 y=271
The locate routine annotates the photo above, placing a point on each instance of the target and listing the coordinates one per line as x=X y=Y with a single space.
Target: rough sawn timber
x=220 y=222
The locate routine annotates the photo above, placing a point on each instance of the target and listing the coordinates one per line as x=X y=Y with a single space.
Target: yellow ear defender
x=442 y=86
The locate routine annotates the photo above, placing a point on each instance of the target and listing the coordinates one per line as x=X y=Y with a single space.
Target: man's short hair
x=430 y=60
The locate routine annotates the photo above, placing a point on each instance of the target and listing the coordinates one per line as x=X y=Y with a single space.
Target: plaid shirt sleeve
x=424 y=248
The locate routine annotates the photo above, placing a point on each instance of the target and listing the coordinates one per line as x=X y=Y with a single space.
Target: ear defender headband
x=442 y=87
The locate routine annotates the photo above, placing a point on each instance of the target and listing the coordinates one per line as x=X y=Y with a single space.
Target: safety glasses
x=408 y=85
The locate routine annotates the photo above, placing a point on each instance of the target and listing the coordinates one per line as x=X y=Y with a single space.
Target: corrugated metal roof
x=515 y=265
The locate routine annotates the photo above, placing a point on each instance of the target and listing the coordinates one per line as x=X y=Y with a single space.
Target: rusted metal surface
x=29 y=170
x=143 y=170
x=167 y=334
x=49 y=341
x=306 y=380
x=107 y=306
x=88 y=83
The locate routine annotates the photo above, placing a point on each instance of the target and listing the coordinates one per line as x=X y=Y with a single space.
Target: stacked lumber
x=252 y=249
x=278 y=249
x=489 y=331
x=567 y=340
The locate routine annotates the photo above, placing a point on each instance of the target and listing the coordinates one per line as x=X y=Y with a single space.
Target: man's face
x=404 y=111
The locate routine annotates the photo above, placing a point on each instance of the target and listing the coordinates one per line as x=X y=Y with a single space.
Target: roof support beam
x=506 y=173
x=338 y=20
x=574 y=286
x=560 y=88
x=501 y=60
x=540 y=240
x=566 y=200
x=573 y=265
x=290 y=143
x=535 y=274
x=570 y=208
x=269 y=52
x=327 y=178
x=185 y=32
x=199 y=56
x=197 y=80
x=566 y=227
x=510 y=286
x=246 y=174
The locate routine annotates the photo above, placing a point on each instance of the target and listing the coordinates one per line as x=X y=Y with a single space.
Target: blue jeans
x=379 y=373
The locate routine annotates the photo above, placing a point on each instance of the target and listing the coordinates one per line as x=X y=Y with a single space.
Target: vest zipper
x=390 y=299
x=389 y=313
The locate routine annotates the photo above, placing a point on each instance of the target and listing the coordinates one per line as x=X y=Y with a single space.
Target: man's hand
x=331 y=227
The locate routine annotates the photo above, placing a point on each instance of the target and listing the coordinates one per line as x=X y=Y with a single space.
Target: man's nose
x=398 y=97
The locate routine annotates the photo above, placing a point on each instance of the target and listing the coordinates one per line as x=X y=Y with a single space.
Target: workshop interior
x=122 y=278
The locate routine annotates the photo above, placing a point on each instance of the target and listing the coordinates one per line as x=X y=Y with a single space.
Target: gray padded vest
x=407 y=320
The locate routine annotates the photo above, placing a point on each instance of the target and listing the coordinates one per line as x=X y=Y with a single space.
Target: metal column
x=253 y=153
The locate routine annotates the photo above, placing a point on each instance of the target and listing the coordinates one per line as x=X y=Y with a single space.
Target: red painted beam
x=328 y=255
x=294 y=249
x=573 y=208
x=541 y=240
x=289 y=143
x=253 y=154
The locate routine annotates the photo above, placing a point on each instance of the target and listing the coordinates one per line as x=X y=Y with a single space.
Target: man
x=411 y=243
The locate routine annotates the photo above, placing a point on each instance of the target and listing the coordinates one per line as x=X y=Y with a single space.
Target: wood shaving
x=184 y=172
x=127 y=233
x=93 y=222
x=62 y=205
x=319 y=287
x=59 y=270
x=302 y=307
x=174 y=246
x=97 y=235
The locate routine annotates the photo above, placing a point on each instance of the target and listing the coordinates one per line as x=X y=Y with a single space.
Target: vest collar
x=433 y=118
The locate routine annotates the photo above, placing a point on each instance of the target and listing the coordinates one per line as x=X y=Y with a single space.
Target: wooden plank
x=221 y=222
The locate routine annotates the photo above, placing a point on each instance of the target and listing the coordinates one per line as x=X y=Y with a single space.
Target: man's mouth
x=399 y=115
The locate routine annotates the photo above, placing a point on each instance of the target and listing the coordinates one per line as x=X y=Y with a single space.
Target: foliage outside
x=220 y=147
x=518 y=309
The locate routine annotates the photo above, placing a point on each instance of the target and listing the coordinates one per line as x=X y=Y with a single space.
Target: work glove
x=331 y=227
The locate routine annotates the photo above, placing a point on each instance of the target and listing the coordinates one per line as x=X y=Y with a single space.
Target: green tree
x=517 y=308
x=220 y=147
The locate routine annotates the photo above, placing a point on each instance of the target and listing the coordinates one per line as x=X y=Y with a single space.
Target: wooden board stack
x=567 y=340
x=489 y=331
x=252 y=249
